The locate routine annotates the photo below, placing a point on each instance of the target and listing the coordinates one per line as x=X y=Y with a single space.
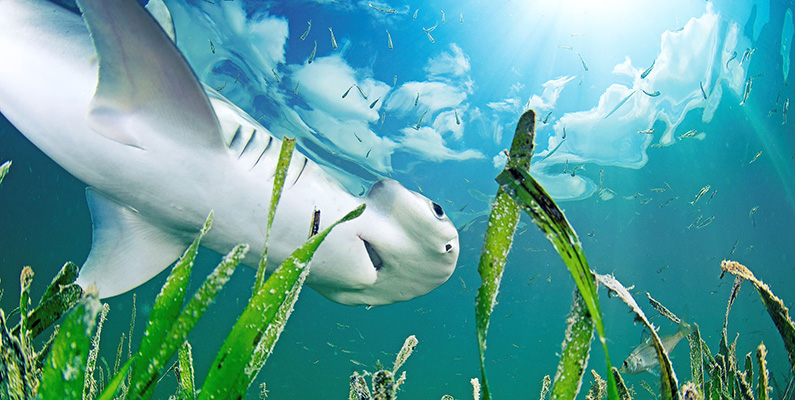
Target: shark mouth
x=374 y=257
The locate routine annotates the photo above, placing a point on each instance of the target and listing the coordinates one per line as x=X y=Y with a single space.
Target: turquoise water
x=503 y=57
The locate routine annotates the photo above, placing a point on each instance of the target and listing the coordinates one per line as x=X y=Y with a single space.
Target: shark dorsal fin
x=146 y=87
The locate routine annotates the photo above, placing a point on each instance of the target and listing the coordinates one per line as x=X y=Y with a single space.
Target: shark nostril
x=448 y=247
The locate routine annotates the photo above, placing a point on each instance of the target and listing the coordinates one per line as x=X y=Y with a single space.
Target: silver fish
x=653 y=94
x=306 y=32
x=442 y=16
x=733 y=56
x=419 y=123
x=430 y=37
x=212 y=47
x=648 y=70
x=344 y=95
x=389 y=40
x=649 y=131
x=275 y=75
x=703 y=92
x=747 y=90
x=312 y=54
x=415 y=13
x=361 y=92
x=295 y=91
x=374 y=102
x=461 y=18
x=383 y=10
x=747 y=55
x=585 y=67
x=457 y=120
x=431 y=28
x=644 y=357
x=784 y=111
x=333 y=40
x=394 y=80
x=417 y=99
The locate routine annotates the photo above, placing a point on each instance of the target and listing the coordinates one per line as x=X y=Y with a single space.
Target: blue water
x=488 y=62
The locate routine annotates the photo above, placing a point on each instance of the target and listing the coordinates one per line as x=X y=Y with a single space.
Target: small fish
x=584 y=66
x=389 y=40
x=601 y=177
x=546 y=118
x=368 y=153
x=755 y=157
x=574 y=171
x=357 y=137
x=344 y=95
x=564 y=133
x=374 y=103
x=417 y=99
x=747 y=55
x=688 y=134
x=649 y=131
x=457 y=120
x=295 y=91
x=701 y=192
x=429 y=36
x=306 y=32
x=566 y=166
x=394 y=80
x=653 y=94
x=312 y=54
x=658 y=190
x=644 y=357
x=663 y=269
x=566 y=48
x=620 y=103
x=383 y=118
x=751 y=215
x=235 y=81
x=275 y=75
x=419 y=123
x=667 y=202
x=646 y=200
x=463 y=208
x=431 y=28
x=784 y=111
x=733 y=56
x=703 y=92
x=220 y=88
x=212 y=47
x=415 y=14
x=734 y=248
x=361 y=92
x=648 y=70
x=442 y=15
x=712 y=196
x=747 y=90
x=705 y=222
x=333 y=40
x=383 y=10
x=461 y=18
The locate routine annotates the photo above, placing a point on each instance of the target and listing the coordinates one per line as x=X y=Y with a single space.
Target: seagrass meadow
x=619 y=173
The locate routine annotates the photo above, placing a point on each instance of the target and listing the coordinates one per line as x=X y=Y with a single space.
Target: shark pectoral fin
x=126 y=250
x=162 y=15
x=146 y=89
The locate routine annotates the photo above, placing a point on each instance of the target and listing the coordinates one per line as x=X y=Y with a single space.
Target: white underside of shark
x=125 y=114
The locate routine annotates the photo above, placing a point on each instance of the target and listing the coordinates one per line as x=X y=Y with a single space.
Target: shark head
x=402 y=247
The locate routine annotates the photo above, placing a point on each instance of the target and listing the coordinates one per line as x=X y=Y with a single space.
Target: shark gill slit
x=250 y=139
x=306 y=160
x=235 y=136
x=262 y=153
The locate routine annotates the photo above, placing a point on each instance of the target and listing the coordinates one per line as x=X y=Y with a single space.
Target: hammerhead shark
x=111 y=99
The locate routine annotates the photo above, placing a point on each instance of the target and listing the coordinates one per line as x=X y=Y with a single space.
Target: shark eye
x=437 y=210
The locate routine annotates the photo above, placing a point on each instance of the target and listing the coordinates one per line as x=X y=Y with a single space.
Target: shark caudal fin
x=147 y=92
x=126 y=250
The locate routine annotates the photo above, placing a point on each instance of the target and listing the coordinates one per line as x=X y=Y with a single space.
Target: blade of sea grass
x=531 y=197
x=575 y=350
x=285 y=155
x=774 y=306
x=64 y=371
x=499 y=236
x=669 y=387
x=264 y=318
x=165 y=311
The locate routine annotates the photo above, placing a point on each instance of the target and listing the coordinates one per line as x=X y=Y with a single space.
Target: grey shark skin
x=121 y=110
